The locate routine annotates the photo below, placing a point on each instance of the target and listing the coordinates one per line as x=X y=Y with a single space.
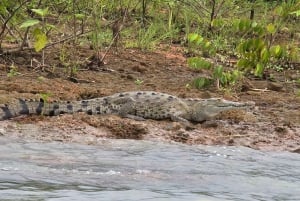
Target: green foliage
x=29 y=23
x=41 y=12
x=256 y=51
x=227 y=78
x=223 y=79
x=13 y=71
x=256 y=55
x=209 y=28
x=148 y=38
x=66 y=60
x=220 y=76
x=204 y=45
x=202 y=82
x=198 y=63
x=138 y=82
x=297 y=13
x=45 y=97
x=40 y=30
x=40 y=39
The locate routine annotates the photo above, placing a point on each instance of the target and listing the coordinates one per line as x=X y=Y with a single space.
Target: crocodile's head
x=208 y=108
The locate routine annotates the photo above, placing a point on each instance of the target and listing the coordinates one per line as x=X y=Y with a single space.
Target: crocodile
x=138 y=105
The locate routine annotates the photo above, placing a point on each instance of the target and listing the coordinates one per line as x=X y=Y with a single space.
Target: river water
x=141 y=170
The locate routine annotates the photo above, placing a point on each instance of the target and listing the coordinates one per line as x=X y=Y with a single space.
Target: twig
x=261 y=90
x=117 y=34
x=49 y=45
x=8 y=28
x=11 y=15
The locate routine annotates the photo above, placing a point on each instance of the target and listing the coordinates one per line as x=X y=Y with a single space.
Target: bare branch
x=11 y=15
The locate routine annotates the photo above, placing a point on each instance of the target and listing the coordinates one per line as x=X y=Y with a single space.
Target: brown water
x=141 y=170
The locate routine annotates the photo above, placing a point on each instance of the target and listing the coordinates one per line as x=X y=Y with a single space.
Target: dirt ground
x=274 y=124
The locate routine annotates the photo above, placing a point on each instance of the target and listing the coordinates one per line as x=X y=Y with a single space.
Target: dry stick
x=49 y=45
x=8 y=28
x=25 y=39
x=109 y=47
x=114 y=39
x=11 y=15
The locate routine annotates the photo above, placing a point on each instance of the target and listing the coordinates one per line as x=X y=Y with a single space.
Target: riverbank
x=274 y=124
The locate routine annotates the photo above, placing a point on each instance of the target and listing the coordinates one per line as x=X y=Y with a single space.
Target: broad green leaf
x=297 y=13
x=276 y=50
x=192 y=37
x=244 y=64
x=198 y=63
x=79 y=16
x=207 y=44
x=259 y=70
x=224 y=79
x=258 y=44
x=40 y=12
x=236 y=74
x=271 y=28
x=245 y=25
x=199 y=40
x=218 y=72
x=254 y=24
x=51 y=26
x=259 y=30
x=279 y=10
x=29 y=23
x=201 y=82
x=40 y=40
x=265 y=54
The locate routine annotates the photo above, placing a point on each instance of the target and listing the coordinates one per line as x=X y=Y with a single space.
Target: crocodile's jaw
x=209 y=108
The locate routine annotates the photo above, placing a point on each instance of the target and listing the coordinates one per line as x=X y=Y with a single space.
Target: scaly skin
x=137 y=105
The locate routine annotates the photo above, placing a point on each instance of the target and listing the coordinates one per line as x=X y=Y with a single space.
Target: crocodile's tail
x=27 y=107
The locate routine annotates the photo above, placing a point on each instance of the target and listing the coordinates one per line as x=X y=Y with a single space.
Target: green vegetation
x=138 y=82
x=13 y=71
x=259 y=35
x=45 y=97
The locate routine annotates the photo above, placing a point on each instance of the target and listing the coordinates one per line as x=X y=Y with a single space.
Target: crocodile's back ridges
x=136 y=104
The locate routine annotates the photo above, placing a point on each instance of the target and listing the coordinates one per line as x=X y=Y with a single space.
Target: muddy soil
x=274 y=124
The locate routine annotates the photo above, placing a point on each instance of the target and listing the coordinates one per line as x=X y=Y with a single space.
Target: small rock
x=287 y=123
x=180 y=136
x=296 y=150
x=210 y=124
x=231 y=142
x=246 y=86
x=3 y=67
x=174 y=126
x=139 y=69
x=20 y=60
x=206 y=94
x=130 y=77
x=280 y=129
x=294 y=76
x=274 y=86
